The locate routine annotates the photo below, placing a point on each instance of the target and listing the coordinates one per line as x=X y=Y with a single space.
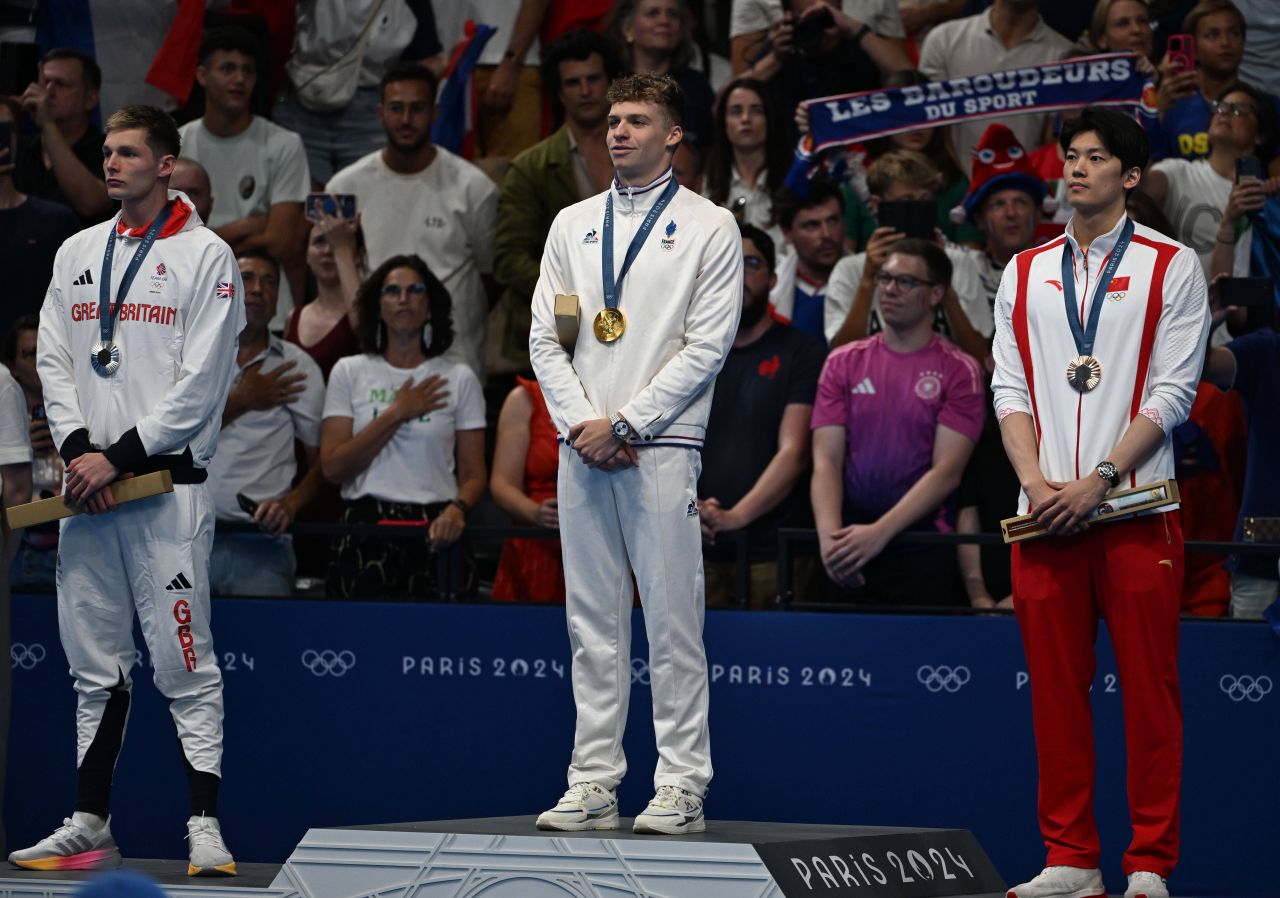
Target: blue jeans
x=251 y=564
x=334 y=140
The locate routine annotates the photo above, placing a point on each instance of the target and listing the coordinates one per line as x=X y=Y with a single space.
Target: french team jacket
x=177 y=332
x=682 y=299
x=1150 y=342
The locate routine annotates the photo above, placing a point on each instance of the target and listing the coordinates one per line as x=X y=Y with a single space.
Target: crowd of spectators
x=384 y=374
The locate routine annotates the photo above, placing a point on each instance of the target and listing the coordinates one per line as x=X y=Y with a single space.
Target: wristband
x=861 y=33
x=460 y=505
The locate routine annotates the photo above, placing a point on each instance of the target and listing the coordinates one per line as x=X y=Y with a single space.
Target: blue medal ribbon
x=106 y=313
x=612 y=286
x=1084 y=336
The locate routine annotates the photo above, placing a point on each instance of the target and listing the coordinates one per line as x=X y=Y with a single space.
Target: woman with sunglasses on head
x=403 y=432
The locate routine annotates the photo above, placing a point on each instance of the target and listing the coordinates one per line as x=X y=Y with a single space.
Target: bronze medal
x=609 y=325
x=1084 y=373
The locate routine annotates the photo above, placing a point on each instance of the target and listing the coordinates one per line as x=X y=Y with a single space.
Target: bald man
x=190 y=177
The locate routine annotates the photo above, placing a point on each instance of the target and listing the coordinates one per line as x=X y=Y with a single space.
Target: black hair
x=786 y=205
x=1266 y=113
x=257 y=252
x=89 y=65
x=777 y=154
x=409 y=71
x=576 y=46
x=936 y=263
x=232 y=39
x=439 y=304
x=9 y=342
x=763 y=242
x=1120 y=135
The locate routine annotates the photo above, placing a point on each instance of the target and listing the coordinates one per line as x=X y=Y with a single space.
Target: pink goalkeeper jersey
x=890 y=405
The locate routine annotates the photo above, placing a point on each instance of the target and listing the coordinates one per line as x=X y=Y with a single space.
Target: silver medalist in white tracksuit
x=177 y=332
x=682 y=300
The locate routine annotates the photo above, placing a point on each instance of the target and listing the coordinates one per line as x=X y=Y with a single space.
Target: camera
x=809 y=30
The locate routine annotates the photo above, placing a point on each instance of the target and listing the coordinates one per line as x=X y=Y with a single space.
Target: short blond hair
x=162 y=132
x=661 y=90
x=905 y=167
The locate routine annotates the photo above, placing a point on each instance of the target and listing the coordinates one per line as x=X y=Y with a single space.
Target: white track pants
x=150 y=556
x=611 y=524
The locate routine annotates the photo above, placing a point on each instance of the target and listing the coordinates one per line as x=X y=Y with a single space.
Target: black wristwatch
x=861 y=33
x=1107 y=471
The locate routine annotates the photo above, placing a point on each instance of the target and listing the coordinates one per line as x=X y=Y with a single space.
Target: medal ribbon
x=107 y=314
x=612 y=286
x=1084 y=336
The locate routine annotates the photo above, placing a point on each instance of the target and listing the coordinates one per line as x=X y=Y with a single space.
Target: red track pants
x=1130 y=573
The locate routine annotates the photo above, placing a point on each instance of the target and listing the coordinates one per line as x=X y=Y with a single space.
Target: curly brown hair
x=661 y=90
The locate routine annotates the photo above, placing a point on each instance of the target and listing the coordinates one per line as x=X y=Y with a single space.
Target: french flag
x=455 y=125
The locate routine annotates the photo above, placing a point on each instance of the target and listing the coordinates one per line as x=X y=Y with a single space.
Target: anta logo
x=1057 y=284
x=187 y=642
x=669 y=241
x=593 y=236
x=769 y=367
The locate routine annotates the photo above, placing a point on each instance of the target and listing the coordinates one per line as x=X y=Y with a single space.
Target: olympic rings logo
x=1245 y=687
x=640 y=671
x=328 y=663
x=937 y=679
x=26 y=657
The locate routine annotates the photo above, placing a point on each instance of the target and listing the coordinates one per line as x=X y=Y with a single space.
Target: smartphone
x=915 y=218
x=1247 y=292
x=19 y=66
x=247 y=505
x=1249 y=167
x=342 y=205
x=1181 y=51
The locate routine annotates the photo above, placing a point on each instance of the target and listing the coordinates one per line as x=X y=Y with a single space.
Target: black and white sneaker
x=672 y=812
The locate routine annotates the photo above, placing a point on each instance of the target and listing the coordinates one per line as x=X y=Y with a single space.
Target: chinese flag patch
x=1118 y=284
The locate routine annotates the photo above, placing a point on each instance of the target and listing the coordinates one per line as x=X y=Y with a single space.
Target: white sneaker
x=1143 y=884
x=1062 y=882
x=673 y=812
x=209 y=855
x=73 y=846
x=585 y=806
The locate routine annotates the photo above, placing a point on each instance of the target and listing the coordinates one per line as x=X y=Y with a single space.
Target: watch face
x=1107 y=471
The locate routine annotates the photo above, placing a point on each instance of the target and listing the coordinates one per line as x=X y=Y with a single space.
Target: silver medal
x=105 y=358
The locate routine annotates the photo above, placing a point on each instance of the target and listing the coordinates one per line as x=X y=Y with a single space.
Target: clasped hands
x=1064 y=507
x=598 y=446
x=87 y=479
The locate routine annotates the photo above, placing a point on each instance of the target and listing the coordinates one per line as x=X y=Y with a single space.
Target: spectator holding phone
x=1192 y=74
x=1196 y=195
x=403 y=432
x=325 y=326
x=526 y=458
x=904 y=189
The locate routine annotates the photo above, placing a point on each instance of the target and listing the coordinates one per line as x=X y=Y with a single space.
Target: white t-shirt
x=255 y=451
x=451 y=20
x=1194 y=203
x=417 y=464
x=15 y=435
x=845 y=277
x=447 y=214
x=747 y=16
x=262 y=165
x=328 y=29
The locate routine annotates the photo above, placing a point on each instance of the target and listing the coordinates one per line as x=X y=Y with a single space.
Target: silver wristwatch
x=621 y=428
x=1107 y=471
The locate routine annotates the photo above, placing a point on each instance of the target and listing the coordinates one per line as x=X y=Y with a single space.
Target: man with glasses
x=895 y=421
x=1195 y=194
x=757 y=445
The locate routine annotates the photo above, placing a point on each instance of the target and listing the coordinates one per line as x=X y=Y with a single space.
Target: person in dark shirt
x=31 y=230
x=62 y=161
x=757 y=445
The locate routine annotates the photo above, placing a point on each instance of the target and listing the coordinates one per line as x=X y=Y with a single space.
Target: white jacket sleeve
x=1009 y=380
x=710 y=326
x=1179 y=347
x=211 y=325
x=566 y=400
x=55 y=367
x=841 y=288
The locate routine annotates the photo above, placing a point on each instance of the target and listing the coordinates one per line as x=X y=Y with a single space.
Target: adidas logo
x=179 y=582
x=85 y=279
x=865 y=387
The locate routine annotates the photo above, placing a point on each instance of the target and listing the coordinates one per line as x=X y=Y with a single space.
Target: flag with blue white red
x=225 y=290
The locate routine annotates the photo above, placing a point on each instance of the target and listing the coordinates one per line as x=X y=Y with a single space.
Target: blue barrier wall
x=341 y=713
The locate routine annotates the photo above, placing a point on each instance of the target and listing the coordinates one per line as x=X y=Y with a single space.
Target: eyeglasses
x=1235 y=110
x=393 y=290
x=902 y=281
x=755 y=263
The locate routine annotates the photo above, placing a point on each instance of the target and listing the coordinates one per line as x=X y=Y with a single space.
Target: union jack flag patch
x=225 y=290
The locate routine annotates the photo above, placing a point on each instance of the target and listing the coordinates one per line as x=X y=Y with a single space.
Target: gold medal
x=1084 y=373
x=609 y=325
